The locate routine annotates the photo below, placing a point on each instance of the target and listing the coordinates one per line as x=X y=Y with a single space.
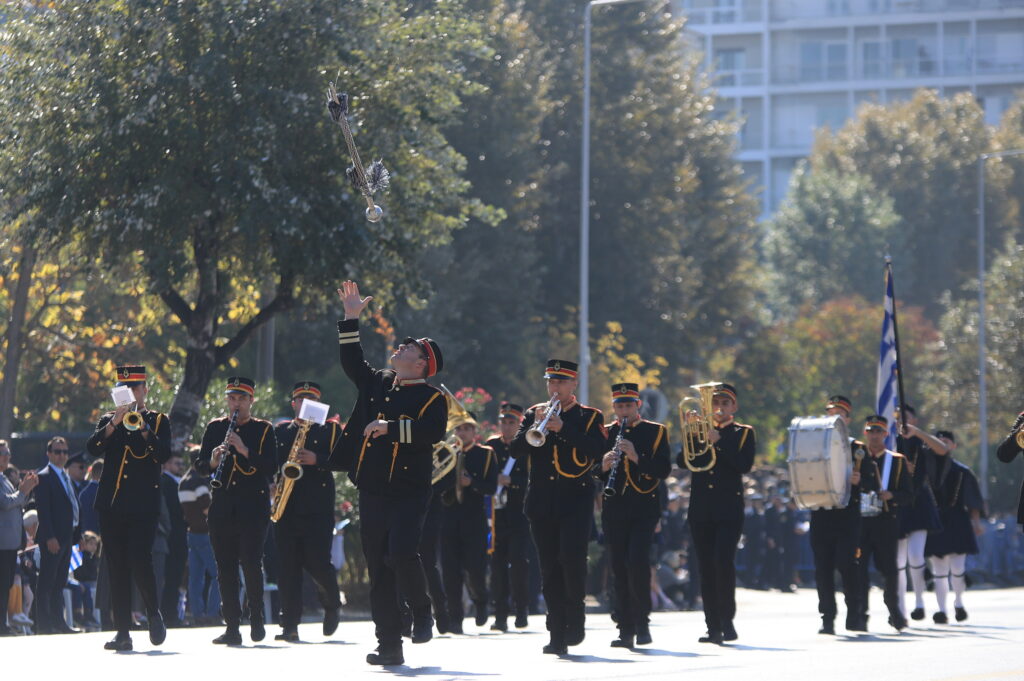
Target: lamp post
x=584 y=332
x=982 y=350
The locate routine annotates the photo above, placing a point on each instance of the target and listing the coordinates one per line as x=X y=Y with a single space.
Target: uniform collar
x=408 y=381
x=728 y=422
x=572 y=403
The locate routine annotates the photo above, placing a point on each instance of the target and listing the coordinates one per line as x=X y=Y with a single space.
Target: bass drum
x=819 y=461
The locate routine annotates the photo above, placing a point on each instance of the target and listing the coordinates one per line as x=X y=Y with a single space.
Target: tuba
x=291 y=471
x=695 y=433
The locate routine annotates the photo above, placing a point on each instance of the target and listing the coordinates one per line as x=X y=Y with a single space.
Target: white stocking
x=957 y=572
x=940 y=572
x=915 y=557
x=901 y=574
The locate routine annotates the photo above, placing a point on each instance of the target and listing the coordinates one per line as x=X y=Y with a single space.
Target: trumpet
x=537 y=435
x=216 y=481
x=613 y=476
x=132 y=419
x=695 y=433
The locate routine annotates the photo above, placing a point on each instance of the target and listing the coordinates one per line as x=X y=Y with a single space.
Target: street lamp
x=982 y=351
x=584 y=334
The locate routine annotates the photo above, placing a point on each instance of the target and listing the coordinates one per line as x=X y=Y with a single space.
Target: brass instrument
x=291 y=471
x=448 y=453
x=445 y=454
x=132 y=420
x=537 y=435
x=216 y=480
x=1020 y=438
x=696 y=432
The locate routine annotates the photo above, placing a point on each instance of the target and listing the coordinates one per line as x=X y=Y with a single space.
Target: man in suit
x=12 y=533
x=57 y=505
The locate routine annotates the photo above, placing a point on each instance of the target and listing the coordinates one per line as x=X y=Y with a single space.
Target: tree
x=164 y=129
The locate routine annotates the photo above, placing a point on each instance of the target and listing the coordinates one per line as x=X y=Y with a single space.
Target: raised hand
x=350 y=299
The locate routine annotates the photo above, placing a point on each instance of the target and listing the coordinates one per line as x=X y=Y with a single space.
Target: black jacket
x=398 y=463
x=481 y=464
x=56 y=515
x=1007 y=451
x=636 y=486
x=245 y=480
x=717 y=494
x=132 y=464
x=560 y=470
x=516 y=491
x=314 y=492
x=901 y=482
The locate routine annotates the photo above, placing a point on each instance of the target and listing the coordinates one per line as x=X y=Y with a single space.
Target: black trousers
x=53 y=577
x=562 y=552
x=715 y=542
x=8 y=562
x=304 y=543
x=239 y=541
x=510 y=564
x=629 y=548
x=834 y=543
x=430 y=541
x=390 y=532
x=174 y=574
x=128 y=552
x=879 y=536
x=463 y=558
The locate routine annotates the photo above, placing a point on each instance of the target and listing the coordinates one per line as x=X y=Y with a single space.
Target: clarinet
x=609 y=487
x=215 y=480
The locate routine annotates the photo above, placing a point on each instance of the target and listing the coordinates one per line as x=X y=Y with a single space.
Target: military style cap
x=510 y=410
x=876 y=422
x=306 y=388
x=625 y=392
x=130 y=374
x=727 y=390
x=560 y=368
x=431 y=350
x=240 y=384
x=841 y=402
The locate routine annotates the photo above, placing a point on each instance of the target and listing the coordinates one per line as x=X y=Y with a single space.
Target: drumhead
x=819 y=461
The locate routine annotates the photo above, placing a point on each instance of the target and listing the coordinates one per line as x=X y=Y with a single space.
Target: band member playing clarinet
x=306 y=528
x=562 y=439
x=634 y=466
x=128 y=502
x=243 y=458
x=716 y=512
x=387 y=448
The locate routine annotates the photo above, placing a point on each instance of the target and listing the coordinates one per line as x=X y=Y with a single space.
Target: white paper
x=122 y=395
x=509 y=465
x=314 y=411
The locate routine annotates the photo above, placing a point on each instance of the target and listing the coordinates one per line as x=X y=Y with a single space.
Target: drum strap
x=883 y=476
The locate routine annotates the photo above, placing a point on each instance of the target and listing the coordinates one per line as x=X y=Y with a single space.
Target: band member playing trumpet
x=834 y=536
x=1008 y=450
x=511 y=532
x=134 y=443
x=387 y=448
x=885 y=484
x=716 y=507
x=640 y=460
x=464 y=525
x=240 y=506
x=306 y=528
x=562 y=440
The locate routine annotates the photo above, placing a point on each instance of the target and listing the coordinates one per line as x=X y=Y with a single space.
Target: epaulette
x=742 y=425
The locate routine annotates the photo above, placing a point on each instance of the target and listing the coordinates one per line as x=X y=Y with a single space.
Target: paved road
x=778 y=640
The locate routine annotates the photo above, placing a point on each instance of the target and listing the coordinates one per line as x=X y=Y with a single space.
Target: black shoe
x=330 y=621
x=387 y=656
x=481 y=613
x=455 y=627
x=257 y=632
x=828 y=626
x=521 y=620
x=157 y=630
x=442 y=624
x=288 y=636
x=898 y=623
x=230 y=637
x=940 y=618
x=422 y=627
x=575 y=634
x=961 y=614
x=917 y=614
x=623 y=642
x=729 y=632
x=711 y=637
x=499 y=625
x=119 y=643
x=643 y=634
x=556 y=648
x=856 y=624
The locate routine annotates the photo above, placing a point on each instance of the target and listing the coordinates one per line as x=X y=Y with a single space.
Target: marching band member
x=511 y=532
x=242 y=458
x=560 y=498
x=1008 y=450
x=960 y=510
x=387 y=448
x=128 y=503
x=834 y=536
x=883 y=473
x=632 y=470
x=716 y=512
x=306 y=528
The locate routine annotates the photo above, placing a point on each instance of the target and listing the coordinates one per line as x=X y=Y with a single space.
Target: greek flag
x=76 y=562
x=886 y=387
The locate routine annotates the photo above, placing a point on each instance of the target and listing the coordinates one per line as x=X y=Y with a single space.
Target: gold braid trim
x=366 y=440
x=629 y=476
x=429 y=402
x=394 y=457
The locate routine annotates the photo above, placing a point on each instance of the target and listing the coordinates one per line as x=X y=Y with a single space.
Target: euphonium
x=538 y=434
x=445 y=455
x=291 y=471
x=695 y=433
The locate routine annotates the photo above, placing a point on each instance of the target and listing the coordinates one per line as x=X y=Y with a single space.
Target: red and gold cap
x=306 y=389
x=431 y=350
x=240 y=384
x=130 y=373
x=625 y=392
x=560 y=368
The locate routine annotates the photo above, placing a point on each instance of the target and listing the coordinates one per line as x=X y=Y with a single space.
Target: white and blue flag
x=887 y=385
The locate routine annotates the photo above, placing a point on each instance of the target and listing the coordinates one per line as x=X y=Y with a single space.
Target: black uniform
x=716 y=519
x=240 y=512
x=629 y=517
x=923 y=512
x=511 y=539
x=429 y=549
x=1008 y=450
x=880 y=534
x=464 y=527
x=560 y=506
x=393 y=474
x=958 y=493
x=835 y=533
x=128 y=503
x=306 y=529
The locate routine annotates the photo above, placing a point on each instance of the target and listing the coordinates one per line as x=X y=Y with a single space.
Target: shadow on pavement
x=431 y=671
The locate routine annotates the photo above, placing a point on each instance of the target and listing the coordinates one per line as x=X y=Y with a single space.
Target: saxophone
x=291 y=471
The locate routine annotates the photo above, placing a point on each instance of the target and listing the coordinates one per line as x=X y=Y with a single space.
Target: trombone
x=694 y=431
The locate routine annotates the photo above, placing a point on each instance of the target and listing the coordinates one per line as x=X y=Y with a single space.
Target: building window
x=822 y=61
x=871 y=59
x=731 y=62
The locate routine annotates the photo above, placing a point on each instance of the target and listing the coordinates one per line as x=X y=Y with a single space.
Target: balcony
x=739 y=77
x=788 y=10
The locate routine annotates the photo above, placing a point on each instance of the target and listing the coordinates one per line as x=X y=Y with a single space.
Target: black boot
x=288 y=635
x=574 y=634
x=556 y=646
x=623 y=641
x=521 y=619
x=643 y=634
x=120 y=643
x=387 y=655
x=961 y=614
x=422 y=626
x=713 y=636
x=157 y=630
x=230 y=637
x=500 y=624
x=917 y=614
x=729 y=632
x=940 y=618
x=828 y=625
x=330 y=621
x=257 y=632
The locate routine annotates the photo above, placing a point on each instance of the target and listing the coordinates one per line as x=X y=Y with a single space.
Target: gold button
x=551 y=478
x=369 y=444
x=387 y=399
x=711 y=486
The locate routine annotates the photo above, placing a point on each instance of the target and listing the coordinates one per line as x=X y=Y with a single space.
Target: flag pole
x=896 y=340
